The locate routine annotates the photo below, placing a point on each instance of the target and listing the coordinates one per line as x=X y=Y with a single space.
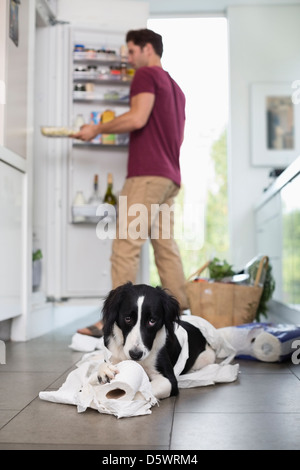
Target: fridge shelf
x=102 y=81
x=95 y=99
x=86 y=214
x=83 y=59
x=79 y=143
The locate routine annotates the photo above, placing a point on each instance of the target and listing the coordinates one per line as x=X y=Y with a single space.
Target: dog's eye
x=151 y=322
x=127 y=319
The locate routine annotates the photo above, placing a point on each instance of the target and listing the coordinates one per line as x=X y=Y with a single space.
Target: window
x=196 y=56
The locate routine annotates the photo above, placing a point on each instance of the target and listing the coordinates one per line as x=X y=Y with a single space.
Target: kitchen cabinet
x=11 y=253
x=277 y=219
x=291 y=242
x=269 y=238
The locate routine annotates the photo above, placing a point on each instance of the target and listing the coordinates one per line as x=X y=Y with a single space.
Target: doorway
x=196 y=56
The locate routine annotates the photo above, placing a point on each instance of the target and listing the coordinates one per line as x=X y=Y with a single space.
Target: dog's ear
x=171 y=311
x=111 y=307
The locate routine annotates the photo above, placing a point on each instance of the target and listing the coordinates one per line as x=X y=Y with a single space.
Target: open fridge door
x=76 y=263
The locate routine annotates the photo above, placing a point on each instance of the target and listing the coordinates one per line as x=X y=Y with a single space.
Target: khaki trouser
x=138 y=223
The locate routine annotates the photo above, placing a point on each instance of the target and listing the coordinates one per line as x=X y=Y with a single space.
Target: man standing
x=155 y=121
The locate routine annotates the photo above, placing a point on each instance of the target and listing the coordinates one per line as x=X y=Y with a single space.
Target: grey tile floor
x=259 y=411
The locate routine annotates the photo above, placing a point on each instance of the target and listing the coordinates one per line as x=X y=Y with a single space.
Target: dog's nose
x=135 y=354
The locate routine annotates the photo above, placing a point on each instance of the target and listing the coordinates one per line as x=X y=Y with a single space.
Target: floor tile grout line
x=293 y=373
x=18 y=413
x=36 y=396
x=172 y=423
x=67 y=371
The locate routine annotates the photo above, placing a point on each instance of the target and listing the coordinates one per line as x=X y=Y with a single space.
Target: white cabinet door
x=268 y=220
x=11 y=192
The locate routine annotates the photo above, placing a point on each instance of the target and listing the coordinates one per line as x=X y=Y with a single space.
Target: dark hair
x=141 y=37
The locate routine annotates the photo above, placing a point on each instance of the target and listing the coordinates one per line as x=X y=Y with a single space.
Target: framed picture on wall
x=275 y=125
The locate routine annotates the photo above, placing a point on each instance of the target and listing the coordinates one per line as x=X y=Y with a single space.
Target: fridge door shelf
x=98 y=145
x=79 y=144
x=86 y=59
x=87 y=214
x=83 y=98
x=96 y=99
x=103 y=81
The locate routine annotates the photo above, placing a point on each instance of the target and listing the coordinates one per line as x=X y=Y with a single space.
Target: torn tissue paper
x=130 y=393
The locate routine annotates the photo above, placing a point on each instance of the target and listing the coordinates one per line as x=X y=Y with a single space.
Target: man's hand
x=87 y=132
x=141 y=106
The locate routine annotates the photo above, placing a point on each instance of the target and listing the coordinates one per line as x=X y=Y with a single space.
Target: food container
x=79 y=51
x=90 y=87
x=107 y=116
x=78 y=47
x=55 y=131
x=236 y=279
x=79 y=121
x=95 y=119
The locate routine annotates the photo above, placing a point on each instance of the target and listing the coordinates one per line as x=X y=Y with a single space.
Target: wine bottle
x=95 y=199
x=109 y=197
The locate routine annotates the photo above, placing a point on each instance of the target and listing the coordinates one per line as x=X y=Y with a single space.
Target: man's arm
x=136 y=118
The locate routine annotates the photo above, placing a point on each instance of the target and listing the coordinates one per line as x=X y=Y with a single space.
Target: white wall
x=112 y=15
x=3 y=35
x=15 y=119
x=11 y=212
x=264 y=45
x=16 y=123
x=169 y=8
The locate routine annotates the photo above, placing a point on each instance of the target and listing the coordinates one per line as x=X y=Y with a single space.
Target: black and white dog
x=139 y=323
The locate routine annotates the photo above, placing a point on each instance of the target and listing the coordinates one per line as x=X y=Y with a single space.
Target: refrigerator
x=81 y=71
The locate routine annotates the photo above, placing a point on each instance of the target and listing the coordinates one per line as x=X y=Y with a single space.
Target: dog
x=139 y=323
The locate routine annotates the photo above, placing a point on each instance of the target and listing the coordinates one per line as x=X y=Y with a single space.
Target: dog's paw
x=161 y=387
x=106 y=372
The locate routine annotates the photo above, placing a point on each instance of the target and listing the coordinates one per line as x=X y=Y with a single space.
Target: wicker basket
x=224 y=304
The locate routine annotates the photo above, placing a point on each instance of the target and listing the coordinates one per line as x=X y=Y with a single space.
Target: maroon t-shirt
x=154 y=150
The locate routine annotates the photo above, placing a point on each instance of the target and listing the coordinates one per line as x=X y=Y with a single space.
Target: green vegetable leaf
x=219 y=269
x=37 y=255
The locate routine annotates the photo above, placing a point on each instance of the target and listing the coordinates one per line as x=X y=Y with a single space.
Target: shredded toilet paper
x=130 y=393
x=85 y=343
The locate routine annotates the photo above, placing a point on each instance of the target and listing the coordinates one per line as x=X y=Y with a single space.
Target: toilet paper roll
x=126 y=384
x=265 y=342
x=267 y=348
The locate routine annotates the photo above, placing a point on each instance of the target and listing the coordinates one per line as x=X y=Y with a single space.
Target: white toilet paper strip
x=84 y=343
